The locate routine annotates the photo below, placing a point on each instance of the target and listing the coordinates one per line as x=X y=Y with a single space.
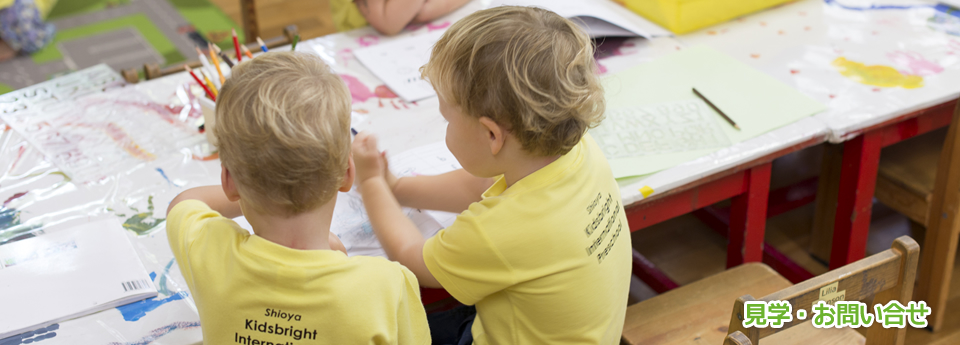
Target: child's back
x=283 y=131
x=544 y=252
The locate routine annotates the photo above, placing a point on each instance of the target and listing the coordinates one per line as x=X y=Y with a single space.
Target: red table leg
x=858 y=177
x=748 y=218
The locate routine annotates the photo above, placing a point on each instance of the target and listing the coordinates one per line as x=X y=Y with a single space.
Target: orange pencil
x=216 y=63
x=246 y=51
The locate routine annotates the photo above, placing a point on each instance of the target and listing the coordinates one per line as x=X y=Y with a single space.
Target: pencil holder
x=209 y=109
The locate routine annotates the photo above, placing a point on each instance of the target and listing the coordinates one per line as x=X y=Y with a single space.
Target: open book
x=67 y=274
x=398 y=62
x=599 y=18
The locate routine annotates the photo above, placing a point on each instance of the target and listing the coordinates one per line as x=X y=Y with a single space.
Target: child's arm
x=389 y=16
x=433 y=9
x=452 y=192
x=400 y=238
x=212 y=196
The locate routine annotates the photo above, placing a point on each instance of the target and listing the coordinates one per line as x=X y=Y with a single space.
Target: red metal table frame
x=747 y=185
x=858 y=177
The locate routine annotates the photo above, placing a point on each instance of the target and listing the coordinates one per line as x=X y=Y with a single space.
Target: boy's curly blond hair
x=526 y=68
x=283 y=127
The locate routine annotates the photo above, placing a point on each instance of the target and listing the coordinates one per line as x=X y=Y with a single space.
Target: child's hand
x=369 y=161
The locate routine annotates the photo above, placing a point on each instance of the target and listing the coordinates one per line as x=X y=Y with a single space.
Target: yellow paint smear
x=646 y=191
x=877 y=75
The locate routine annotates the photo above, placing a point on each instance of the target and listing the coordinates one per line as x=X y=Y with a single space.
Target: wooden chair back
x=885 y=276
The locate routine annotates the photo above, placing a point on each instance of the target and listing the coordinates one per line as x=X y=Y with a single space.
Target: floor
x=686 y=250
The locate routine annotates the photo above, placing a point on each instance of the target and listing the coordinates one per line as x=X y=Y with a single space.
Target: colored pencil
x=205 y=88
x=263 y=46
x=246 y=51
x=354 y=131
x=216 y=63
x=207 y=67
x=295 y=40
x=236 y=45
x=725 y=117
x=212 y=87
x=223 y=56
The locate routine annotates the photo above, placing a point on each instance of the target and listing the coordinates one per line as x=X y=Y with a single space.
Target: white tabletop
x=40 y=197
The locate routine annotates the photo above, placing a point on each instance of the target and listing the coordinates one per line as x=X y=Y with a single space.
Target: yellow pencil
x=216 y=62
x=210 y=84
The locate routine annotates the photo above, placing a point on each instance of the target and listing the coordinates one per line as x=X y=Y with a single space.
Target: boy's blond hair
x=526 y=68
x=283 y=127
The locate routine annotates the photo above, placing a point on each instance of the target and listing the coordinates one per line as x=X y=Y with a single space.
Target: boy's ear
x=349 y=176
x=229 y=188
x=496 y=136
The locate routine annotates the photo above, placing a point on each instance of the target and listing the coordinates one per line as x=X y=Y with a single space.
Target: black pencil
x=725 y=117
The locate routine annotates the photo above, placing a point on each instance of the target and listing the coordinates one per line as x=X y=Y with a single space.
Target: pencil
x=213 y=88
x=354 y=131
x=216 y=63
x=205 y=88
x=295 y=40
x=263 y=46
x=725 y=117
x=223 y=56
x=246 y=51
x=236 y=45
x=207 y=67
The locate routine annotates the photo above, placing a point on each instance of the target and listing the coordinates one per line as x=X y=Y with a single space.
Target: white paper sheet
x=398 y=63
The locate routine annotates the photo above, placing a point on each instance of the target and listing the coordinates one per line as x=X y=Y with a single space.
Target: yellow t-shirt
x=346 y=15
x=546 y=261
x=252 y=291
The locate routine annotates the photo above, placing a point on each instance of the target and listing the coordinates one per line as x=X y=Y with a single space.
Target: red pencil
x=236 y=45
x=204 y=86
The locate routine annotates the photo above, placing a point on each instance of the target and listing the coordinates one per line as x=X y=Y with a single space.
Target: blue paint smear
x=134 y=311
x=32 y=336
x=153 y=276
x=164 y=175
x=159 y=332
x=162 y=285
x=876 y=7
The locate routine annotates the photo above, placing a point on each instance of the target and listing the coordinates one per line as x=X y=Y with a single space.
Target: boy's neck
x=309 y=230
x=524 y=165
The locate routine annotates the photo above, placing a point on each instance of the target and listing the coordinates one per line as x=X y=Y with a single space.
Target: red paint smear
x=20 y=151
x=211 y=157
x=368 y=40
x=359 y=92
x=876 y=89
x=755 y=56
x=383 y=91
x=432 y=27
x=14 y=197
x=119 y=136
x=807 y=28
x=833 y=96
x=793 y=71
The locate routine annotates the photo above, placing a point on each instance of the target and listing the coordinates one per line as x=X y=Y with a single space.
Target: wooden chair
x=700 y=313
x=920 y=178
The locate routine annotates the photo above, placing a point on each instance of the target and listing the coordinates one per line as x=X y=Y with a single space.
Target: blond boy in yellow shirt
x=283 y=127
x=541 y=245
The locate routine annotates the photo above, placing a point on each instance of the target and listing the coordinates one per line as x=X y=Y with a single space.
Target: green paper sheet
x=757 y=102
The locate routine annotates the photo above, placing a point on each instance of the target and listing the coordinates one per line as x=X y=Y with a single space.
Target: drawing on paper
x=350 y=221
x=661 y=128
x=876 y=75
x=104 y=132
x=360 y=93
x=915 y=63
x=32 y=336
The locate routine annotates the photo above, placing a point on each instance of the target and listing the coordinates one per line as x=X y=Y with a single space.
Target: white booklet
x=397 y=63
x=67 y=274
